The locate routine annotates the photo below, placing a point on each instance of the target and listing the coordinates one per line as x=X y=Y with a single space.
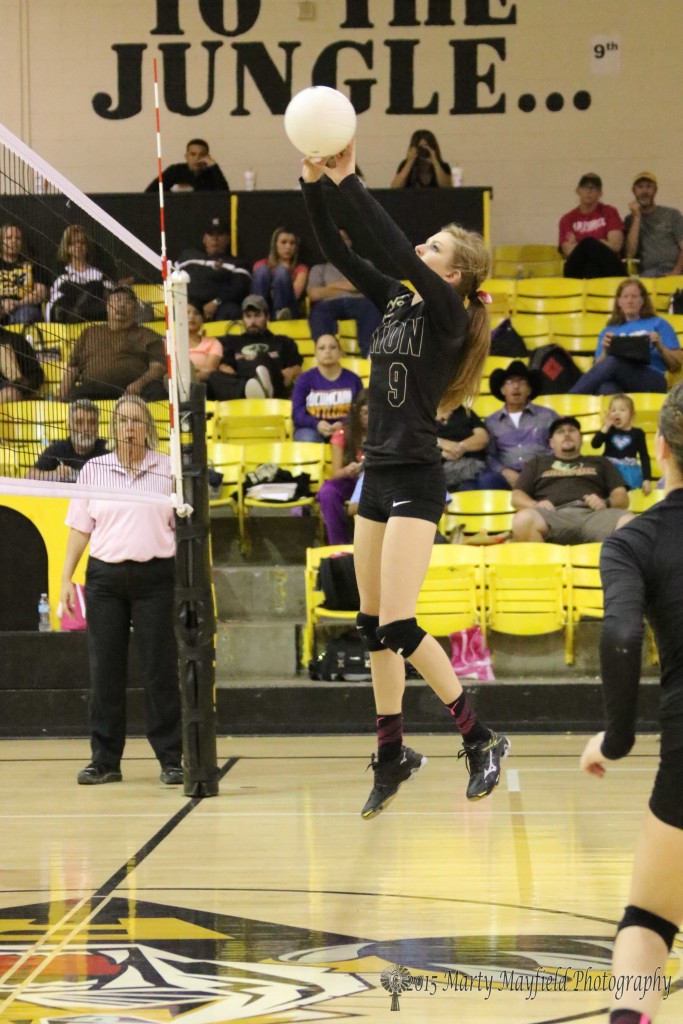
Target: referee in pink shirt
x=129 y=581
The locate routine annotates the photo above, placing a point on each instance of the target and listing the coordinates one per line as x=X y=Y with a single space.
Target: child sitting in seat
x=625 y=444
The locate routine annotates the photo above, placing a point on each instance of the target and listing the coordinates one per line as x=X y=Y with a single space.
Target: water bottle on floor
x=44 y=614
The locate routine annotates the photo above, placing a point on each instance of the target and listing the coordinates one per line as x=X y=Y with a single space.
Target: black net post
x=195 y=609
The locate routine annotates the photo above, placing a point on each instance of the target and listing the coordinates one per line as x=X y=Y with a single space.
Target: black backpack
x=337 y=580
x=676 y=302
x=506 y=341
x=345 y=658
x=558 y=371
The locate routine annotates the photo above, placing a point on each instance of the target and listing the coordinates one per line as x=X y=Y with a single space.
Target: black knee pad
x=635 y=917
x=367 y=627
x=402 y=636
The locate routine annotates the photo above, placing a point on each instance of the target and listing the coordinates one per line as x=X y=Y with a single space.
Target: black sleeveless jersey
x=642 y=574
x=415 y=348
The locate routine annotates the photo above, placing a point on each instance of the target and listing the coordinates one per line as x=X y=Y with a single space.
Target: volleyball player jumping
x=427 y=354
x=642 y=570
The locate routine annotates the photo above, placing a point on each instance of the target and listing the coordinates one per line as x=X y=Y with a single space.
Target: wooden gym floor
x=275 y=902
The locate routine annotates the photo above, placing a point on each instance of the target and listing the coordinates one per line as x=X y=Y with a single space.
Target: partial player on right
x=642 y=568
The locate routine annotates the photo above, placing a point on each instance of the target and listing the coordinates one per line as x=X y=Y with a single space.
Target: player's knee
x=636 y=917
x=403 y=636
x=367 y=627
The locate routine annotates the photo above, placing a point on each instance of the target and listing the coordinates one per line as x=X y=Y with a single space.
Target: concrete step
x=258 y=592
x=256 y=649
x=274 y=539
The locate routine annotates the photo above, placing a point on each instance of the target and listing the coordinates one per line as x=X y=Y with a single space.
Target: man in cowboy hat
x=653 y=233
x=567 y=497
x=519 y=430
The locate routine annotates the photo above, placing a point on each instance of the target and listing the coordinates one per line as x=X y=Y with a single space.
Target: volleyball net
x=90 y=326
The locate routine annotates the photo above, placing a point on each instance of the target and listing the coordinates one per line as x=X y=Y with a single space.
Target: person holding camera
x=423 y=166
x=199 y=173
x=636 y=348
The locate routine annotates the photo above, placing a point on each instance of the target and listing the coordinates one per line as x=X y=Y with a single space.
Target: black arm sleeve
x=598 y=439
x=214 y=179
x=644 y=455
x=363 y=275
x=430 y=286
x=620 y=643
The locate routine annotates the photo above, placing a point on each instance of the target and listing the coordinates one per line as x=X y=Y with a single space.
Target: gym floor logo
x=122 y=961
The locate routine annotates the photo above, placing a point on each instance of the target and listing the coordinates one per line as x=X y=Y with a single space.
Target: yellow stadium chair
x=153 y=294
x=308 y=363
x=577 y=332
x=37 y=421
x=158 y=326
x=480 y=512
x=639 y=502
x=162 y=421
x=8 y=461
x=526 y=590
x=676 y=321
x=524 y=261
x=359 y=366
x=247 y=420
x=484 y=405
x=535 y=329
x=451 y=596
x=296 y=456
x=228 y=459
x=664 y=287
x=501 y=286
x=549 y=295
x=580 y=406
x=600 y=293
x=348 y=337
x=585 y=586
x=657 y=471
x=217 y=328
x=315 y=606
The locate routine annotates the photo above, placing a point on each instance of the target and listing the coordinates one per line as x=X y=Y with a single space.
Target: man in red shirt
x=592 y=234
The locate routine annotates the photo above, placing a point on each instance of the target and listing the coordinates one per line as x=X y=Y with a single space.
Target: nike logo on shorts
x=395 y=504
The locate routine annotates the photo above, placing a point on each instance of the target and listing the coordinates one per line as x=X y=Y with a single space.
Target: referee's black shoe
x=171 y=775
x=389 y=775
x=96 y=774
x=483 y=764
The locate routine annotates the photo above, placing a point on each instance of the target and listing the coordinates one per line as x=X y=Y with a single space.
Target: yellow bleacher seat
x=359 y=366
x=217 y=328
x=247 y=420
x=664 y=287
x=577 y=332
x=600 y=293
x=228 y=459
x=639 y=502
x=348 y=337
x=549 y=295
x=296 y=456
x=484 y=405
x=525 y=261
x=676 y=321
x=153 y=294
x=526 y=590
x=581 y=406
x=657 y=472
x=315 y=606
x=480 y=512
x=535 y=329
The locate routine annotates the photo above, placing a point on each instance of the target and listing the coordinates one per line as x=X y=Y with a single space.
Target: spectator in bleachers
x=63 y=460
x=625 y=445
x=632 y=314
x=592 y=234
x=423 y=165
x=334 y=298
x=519 y=430
x=347 y=465
x=20 y=372
x=462 y=438
x=206 y=354
x=566 y=497
x=199 y=173
x=322 y=396
x=217 y=279
x=119 y=356
x=654 y=234
x=257 y=363
x=280 y=278
x=23 y=283
x=79 y=292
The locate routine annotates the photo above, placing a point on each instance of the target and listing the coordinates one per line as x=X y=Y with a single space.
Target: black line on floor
x=133 y=862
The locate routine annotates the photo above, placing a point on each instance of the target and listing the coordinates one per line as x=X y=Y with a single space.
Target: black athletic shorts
x=414 y=491
x=666 y=802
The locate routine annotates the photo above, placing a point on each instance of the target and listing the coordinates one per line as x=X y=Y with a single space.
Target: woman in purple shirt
x=129 y=582
x=322 y=396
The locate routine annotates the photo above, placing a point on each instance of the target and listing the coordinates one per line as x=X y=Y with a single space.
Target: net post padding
x=195 y=605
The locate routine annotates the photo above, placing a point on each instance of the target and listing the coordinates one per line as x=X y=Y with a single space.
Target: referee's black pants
x=118 y=595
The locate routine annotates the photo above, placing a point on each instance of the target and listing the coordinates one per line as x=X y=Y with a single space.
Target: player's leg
x=650 y=921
